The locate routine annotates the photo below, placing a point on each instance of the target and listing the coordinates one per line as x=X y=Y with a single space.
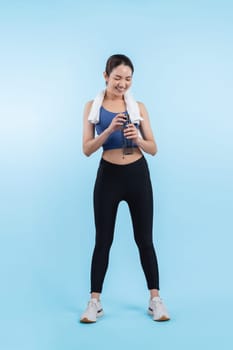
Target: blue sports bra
x=115 y=140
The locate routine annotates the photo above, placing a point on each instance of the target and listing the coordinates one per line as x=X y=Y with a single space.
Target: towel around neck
x=131 y=106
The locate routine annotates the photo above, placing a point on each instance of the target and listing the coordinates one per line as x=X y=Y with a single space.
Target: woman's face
x=119 y=80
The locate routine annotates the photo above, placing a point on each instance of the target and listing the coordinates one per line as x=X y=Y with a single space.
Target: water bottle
x=127 y=145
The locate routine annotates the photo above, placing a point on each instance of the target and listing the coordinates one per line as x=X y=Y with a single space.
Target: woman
x=124 y=132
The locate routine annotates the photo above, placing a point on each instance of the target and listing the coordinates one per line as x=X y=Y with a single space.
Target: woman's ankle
x=154 y=293
x=95 y=296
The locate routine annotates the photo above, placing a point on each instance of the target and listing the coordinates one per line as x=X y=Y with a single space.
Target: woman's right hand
x=117 y=122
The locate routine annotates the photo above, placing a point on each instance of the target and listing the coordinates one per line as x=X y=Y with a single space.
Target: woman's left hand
x=131 y=132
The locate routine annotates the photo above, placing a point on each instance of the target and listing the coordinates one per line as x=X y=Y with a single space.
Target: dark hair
x=115 y=61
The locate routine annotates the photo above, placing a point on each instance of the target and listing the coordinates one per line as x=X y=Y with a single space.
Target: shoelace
x=157 y=302
x=92 y=304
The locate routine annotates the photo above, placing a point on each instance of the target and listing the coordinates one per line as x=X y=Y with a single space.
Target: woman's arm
x=146 y=142
x=92 y=143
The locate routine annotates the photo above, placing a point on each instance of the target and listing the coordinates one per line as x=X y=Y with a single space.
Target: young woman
x=123 y=130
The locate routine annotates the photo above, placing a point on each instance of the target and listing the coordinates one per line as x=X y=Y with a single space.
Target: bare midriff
x=116 y=156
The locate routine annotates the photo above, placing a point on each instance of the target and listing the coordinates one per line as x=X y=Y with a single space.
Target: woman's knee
x=103 y=245
x=144 y=244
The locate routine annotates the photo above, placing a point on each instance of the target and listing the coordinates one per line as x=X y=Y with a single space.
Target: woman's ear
x=105 y=77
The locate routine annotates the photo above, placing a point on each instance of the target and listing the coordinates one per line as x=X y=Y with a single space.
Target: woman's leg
x=105 y=208
x=140 y=201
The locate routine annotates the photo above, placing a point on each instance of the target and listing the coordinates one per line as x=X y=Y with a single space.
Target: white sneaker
x=158 y=310
x=92 y=312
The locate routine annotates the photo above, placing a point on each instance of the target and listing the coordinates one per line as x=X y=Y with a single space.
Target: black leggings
x=131 y=183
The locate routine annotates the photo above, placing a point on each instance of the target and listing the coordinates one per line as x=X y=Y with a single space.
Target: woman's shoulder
x=142 y=109
x=88 y=106
x=140 y=104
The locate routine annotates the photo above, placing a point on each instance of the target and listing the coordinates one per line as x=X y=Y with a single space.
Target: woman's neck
x=111 y=97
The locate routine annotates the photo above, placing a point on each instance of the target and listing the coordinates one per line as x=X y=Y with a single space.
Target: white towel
x=131 y=106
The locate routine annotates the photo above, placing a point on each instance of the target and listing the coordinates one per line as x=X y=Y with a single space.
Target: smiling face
x=119 y=80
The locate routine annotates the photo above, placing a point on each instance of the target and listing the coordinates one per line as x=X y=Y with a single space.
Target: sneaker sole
x=161 y=319
x=86 y=320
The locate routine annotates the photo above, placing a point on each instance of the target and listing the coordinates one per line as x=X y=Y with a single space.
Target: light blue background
x=52 y=57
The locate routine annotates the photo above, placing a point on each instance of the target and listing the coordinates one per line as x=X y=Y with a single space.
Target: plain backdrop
x=53 y=54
